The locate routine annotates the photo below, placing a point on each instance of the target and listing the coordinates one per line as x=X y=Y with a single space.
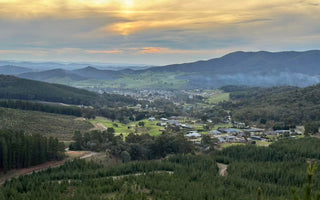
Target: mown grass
x=60 y=126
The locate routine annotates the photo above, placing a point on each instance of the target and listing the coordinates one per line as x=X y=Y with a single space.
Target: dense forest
x=287 y=105
x=122 y=114
x=253 y=173
x=22 y=89
x=50 y=108
x=135 y=147
x=19 y=150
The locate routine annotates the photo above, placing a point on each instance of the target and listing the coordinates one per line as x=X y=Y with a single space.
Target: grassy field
x=60 y=126
x=225 y=145
x=218 y=97
x=149 y=127
x=263 y=143
x=216 y=126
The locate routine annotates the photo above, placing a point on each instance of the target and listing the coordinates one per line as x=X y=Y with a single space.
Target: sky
x=153 y=32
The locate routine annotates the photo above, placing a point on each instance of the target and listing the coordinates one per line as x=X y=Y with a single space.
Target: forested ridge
x=28 y=105
x=23 y=89
x=288 y=105
x=19 y=150
x=271 y=172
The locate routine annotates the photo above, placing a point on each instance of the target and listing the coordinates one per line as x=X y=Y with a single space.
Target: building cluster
x=240 y=133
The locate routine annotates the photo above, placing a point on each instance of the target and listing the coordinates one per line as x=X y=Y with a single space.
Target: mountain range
x=238 y=68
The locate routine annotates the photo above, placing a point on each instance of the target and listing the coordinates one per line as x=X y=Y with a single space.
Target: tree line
x=135 y=147
x=34 y=106
x=19 y=150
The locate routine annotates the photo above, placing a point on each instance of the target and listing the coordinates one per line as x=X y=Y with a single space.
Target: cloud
x=154 y=31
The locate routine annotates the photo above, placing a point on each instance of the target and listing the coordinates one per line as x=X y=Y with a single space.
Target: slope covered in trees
x=186 y=177
x=16 y=88
x=135 y=147
x=28 y=105
x=19 y=150
x=287 y=105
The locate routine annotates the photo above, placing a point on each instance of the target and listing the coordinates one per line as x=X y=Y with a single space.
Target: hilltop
x=13 y=70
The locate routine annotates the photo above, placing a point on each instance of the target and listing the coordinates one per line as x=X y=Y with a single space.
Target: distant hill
x=17 y=88
x=13 y=70
x=261 y=62
x=252 y=68
x=46 y=75
x=93 y=73
x=42 y=66
x=72 y=75
x=239 y=68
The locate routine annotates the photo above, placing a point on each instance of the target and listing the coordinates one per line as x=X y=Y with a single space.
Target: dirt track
x=223 y=169
x=21 y=172
x=100 y=126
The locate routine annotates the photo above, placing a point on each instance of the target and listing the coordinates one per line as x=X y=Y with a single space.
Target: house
x=280 y=132
x=193 y=135
x=231 y=138
x=222 y=139
x=239 y=124
x=173 y=122
x=186 y=126
x=254 y=137
x=254 y=130
x=229 y=130
x=215 y=132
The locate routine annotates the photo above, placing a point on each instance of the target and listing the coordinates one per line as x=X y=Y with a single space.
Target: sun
x=128 y=3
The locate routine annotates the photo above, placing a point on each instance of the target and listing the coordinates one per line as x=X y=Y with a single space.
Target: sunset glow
x=105 y=25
